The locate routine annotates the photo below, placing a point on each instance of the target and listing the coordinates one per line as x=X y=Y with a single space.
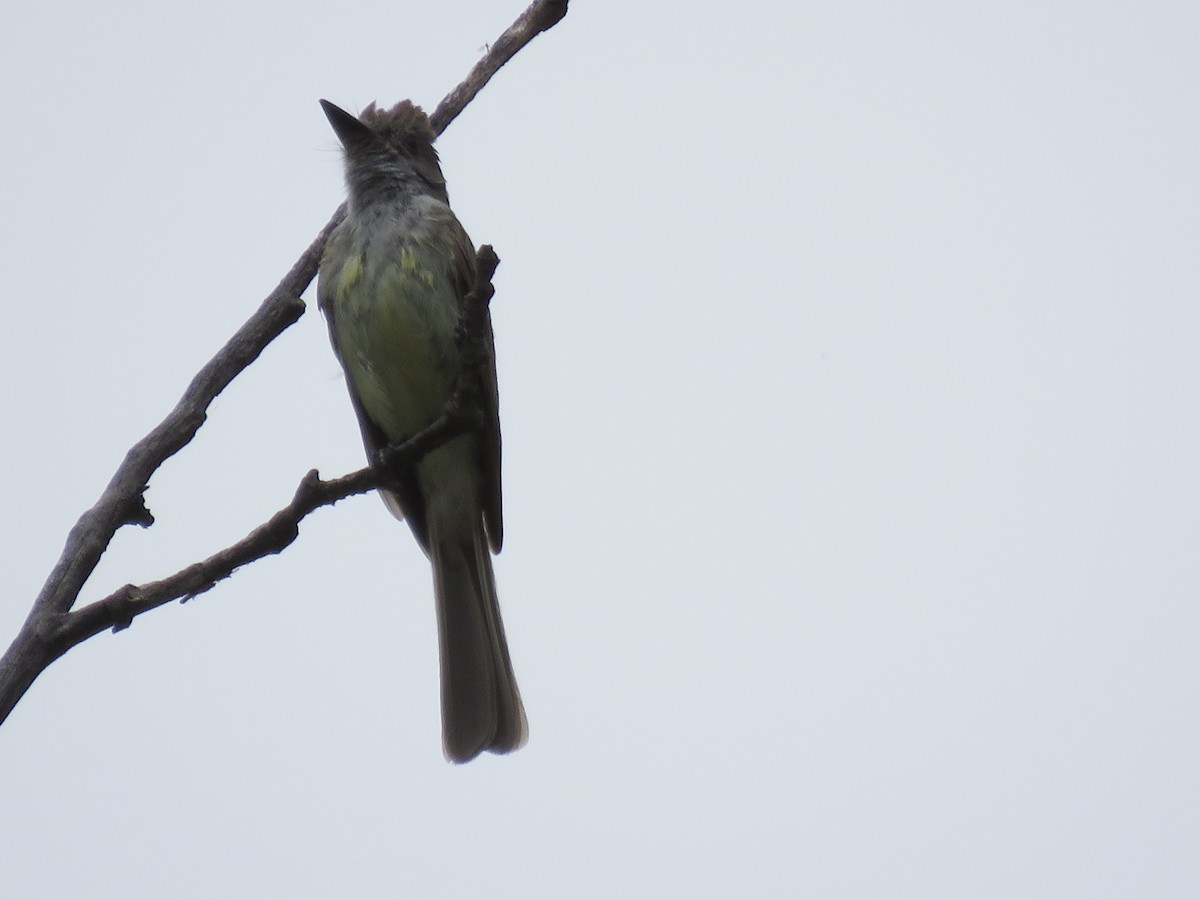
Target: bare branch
x=48 y=636
x=118 y=610
x=540 y=16
x=51 y=628
x=122 y=502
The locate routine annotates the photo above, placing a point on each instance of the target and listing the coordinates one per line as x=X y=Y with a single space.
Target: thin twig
x=540 y=16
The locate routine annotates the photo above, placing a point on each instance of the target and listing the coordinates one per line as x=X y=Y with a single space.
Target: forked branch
x=52 y=627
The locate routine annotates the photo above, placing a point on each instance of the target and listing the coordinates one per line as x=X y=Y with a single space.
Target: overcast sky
x=848 y=369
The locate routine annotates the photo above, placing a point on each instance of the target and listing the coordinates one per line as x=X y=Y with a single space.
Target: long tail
x=481 y=706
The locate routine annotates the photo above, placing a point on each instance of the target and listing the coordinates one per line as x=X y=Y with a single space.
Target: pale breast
x=396 y=310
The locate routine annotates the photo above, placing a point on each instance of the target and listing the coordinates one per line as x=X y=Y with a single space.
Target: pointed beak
x=350 y=131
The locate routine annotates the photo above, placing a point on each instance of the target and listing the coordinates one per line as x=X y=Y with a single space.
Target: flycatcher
x=391 y=286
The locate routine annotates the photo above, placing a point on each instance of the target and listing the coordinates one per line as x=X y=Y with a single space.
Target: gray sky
x=848 y=374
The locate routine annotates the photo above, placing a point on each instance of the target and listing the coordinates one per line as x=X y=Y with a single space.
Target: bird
x=391 y=284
